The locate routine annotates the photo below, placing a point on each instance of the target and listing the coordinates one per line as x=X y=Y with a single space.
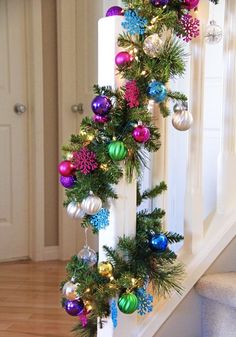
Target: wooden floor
x=30 y=300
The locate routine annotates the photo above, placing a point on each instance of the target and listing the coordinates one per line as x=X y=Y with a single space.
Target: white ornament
x=152 y=45
x=213 y=33
x=91 y=205
x=182 y=119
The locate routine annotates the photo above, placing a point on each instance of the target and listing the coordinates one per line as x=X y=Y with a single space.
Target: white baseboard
x=51 y=253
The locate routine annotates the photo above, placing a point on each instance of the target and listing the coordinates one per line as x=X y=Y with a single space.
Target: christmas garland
x=122 y=130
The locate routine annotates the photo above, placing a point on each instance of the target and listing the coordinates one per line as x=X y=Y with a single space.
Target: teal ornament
x=133 y=23
x=114 y=313
x=145 y=302
x=157 y=91
x=128 y=303
x=158 y=242
x=100 y=220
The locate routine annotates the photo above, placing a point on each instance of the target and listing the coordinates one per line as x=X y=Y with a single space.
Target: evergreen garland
x=135 y=262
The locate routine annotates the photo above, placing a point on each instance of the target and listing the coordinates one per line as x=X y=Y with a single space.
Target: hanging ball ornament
x=123 y=58
x=213 y=33
x=128 y=303
x=68 y=182
x=91 y=205
x=66 y=168
x=182 y=119
x=190 y=4
x=141 y=134
x=117 y=150
x=105 y=269
x=88 y=256
x=69 y=291
x=158 y=242
x=74 y=210
x=100 y=119
x=101 y=105
x=152 y=45
x=115 y=10
x=74 y=308
x=157 y=91
x=158 y=3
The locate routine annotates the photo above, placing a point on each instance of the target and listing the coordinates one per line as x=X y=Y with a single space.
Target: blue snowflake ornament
x=101 y=219
x=145 y=302
x=114 y=313
x=133 y=23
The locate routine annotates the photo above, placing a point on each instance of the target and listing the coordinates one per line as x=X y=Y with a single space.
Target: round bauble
x=105 y=269
x=190 y=4
x=182 y=119
x=141 y=134
x=158 y=3
x=74 y=308
x=66 y=168
x=100 y=119
x=157 y=91
x=115 y=10
x=158 y=242
x=101 y=105
x=91 y=205
x=128 y=303
x=88 y=256
x=68 y=182
x=213 y=33
x=69 y=291
x=117 y=150
x=152 y=45
x=74 y=210
x=123 y=58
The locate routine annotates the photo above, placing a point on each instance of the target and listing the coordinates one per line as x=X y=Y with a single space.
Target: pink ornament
x=66 y=168
x=132 y=94
x=190 y=27
x=190 y=4
x=85 y=160
x=141 y=134
x=123 y=58
x=100 y=119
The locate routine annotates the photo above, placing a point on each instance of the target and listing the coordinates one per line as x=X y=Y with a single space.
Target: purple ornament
x=68 y=182
x=123 y=58
x=141 y=134
x=74 y=308
x=100 y=119
x=66 y=168
x=115 y=10
x=101 y=105
x=190 y=4
x=158 y=3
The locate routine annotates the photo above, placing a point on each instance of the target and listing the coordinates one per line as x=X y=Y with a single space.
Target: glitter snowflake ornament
x=114 y=313
x=145 y=302
x=190 y=27
x=85 y=160
x=133 y=23
x=101 y=219
x=132 y=94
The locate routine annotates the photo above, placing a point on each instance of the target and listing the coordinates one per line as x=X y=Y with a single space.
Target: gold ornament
x=105 y=269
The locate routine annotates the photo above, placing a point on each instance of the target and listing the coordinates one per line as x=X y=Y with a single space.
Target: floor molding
x=51 y=253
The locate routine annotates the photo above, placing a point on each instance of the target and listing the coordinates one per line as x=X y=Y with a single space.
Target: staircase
x=218 y=297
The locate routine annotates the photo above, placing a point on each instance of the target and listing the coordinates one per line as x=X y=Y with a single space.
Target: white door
x=13 y=132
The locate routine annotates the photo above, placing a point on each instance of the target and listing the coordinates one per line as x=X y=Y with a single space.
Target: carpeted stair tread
x=220 y=287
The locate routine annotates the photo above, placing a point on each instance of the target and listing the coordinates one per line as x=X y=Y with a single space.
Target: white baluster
x=227 y=157
x=194 y=227
x=123 y=210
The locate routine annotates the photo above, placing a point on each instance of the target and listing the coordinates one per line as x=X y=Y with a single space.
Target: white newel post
x=227 y=157
x=194 y=225
x=123 y=210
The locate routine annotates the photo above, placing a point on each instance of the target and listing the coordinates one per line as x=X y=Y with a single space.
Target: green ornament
x=117 y=150
x=128 y=303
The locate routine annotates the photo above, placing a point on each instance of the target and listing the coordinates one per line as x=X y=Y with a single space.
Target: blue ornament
x=158 y=242
x=157 y=91
x=101 y=219
x=114 y=313
x=145 y=301
x=133 y=23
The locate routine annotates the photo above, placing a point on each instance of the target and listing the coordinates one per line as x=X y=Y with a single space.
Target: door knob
x=77 y=108
x=19 y=108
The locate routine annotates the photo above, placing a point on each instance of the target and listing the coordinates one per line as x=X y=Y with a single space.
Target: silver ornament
x=79 y=213
x=182 y=119
x=88 y=256
x=213 y=33
x=152 y=45
x=177 y=108
x=69 y=291
x=91 y=205
x=72 y=208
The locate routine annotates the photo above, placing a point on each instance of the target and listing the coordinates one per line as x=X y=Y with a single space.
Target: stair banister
x=122 y=210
